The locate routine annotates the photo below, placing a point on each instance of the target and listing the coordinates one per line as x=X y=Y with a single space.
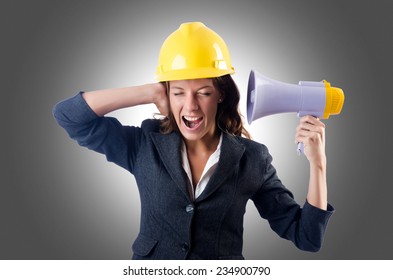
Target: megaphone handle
x=300 y=145
x=300 y=148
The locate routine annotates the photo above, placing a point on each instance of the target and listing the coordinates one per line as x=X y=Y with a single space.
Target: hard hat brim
x=190 y=74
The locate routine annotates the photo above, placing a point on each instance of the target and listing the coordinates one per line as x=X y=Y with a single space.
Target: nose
x=191 y=103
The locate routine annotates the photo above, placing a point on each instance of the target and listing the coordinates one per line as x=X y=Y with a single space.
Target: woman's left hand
x=311 y=132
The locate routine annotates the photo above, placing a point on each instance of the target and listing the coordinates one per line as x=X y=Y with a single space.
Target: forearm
x=317 y=189
x=108 y=100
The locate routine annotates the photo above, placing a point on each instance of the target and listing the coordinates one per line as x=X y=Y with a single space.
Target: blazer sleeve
x=304 y=226
x=105 y=135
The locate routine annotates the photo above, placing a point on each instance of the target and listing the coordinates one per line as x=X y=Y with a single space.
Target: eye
x=177 y=93
x=204 y=93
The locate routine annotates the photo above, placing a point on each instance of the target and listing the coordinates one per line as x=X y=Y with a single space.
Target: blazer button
x=185 y=247
x=190 y=208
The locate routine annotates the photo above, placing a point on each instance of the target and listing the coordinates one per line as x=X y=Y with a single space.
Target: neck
x=203 y=145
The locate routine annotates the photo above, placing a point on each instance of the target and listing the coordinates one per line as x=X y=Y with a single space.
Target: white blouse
x=207 y=171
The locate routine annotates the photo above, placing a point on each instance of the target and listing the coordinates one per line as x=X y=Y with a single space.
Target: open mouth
x=192 y=122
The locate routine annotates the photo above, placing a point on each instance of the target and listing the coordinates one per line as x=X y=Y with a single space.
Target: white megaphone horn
x=266 y=97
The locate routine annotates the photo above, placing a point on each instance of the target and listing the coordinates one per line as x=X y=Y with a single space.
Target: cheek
x=212 y=109
x=174 y=107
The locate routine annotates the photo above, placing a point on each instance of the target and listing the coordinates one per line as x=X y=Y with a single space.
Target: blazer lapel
x=231 y=152
x=168 y=147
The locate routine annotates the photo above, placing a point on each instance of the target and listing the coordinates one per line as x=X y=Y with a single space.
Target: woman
x=194 y=169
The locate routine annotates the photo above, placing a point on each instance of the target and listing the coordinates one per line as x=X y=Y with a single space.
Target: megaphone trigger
x=300 y=148
x=300 y=145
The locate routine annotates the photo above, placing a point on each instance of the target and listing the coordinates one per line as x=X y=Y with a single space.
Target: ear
x=221 y=99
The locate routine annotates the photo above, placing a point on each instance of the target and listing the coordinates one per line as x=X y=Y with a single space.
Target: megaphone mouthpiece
x=334 y=100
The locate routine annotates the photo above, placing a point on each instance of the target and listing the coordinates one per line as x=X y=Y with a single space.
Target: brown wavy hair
x=228 y=118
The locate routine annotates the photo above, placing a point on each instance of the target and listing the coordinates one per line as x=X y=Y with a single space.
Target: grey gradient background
x=61 y=201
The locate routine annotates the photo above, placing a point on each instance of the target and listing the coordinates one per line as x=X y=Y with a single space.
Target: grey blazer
x=173 y=226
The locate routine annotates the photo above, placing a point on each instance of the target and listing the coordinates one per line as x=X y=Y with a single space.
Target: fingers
x=311 y=132
x=311 y=120
x=161 y=99
x=310 y=126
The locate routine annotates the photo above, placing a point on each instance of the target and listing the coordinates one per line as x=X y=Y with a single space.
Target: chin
x=191 y=136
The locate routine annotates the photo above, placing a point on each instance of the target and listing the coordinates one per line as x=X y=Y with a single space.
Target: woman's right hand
x=161 y=98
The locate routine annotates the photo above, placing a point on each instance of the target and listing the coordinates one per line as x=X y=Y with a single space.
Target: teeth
x=191 y=119
x=191 y=122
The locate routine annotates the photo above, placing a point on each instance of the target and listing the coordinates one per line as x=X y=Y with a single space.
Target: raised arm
x=82 y=116
x=108 y=100
x=311 y=132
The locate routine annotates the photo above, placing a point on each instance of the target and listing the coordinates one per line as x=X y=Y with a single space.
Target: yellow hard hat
x=193 y=51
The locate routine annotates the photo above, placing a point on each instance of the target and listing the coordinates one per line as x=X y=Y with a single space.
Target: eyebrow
x=203 y=87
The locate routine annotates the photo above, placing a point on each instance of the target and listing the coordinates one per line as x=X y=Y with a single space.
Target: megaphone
x=266 y=97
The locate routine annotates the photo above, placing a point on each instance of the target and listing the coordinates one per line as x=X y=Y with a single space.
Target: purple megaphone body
x=266 y=97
